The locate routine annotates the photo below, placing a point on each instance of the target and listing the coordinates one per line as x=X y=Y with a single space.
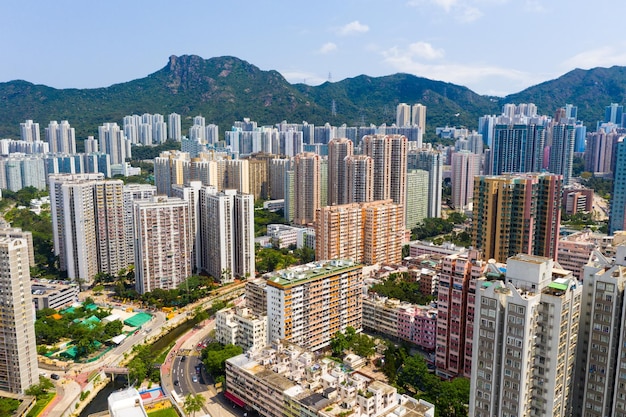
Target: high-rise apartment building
x=465 y=166
x=112 y=141
x=227 y=229
x=173 y=127
x=110 y=223
x=525 y=340
x=191 y=194
x=131 y=193
x=74 y=228
x=517 y=148
x=88 y=222
x=338 y=150
x=516 y=213
x=601 y=379
x=18 y=349
x=600 y=152
x=233 y=174
x=369 y=233
x=258 y=175
x=171 y=167
x=307 y=187
x=389 y=154
x=29 y=131
x=163 y=243
x=431 y=161
x=562 y=150
x=61 y=138
x=617 y=220
x=416 y=197
x=613 y=114
x=455 y=313
x=403 y=115
x=308 y=304
x=276 y=176
x=418 y=116
x=359 y=174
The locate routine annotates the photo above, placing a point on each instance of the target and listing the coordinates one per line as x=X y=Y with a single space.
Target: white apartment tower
x=88 y=224
x=431 y=161
x=403 y=115
x=338 y=150
x=61 y=138
x=389 y=153
x=227 y=229
x=601 y=355
x=112 y=141
x=163 y=246
x=416 y=197
x=29 y=131
x=306 y=186
x=74 y=224
x=173 y=127
x=171 y=167
x=18 y=350
x=525 y=340
x=465 y=166
x=418 y=116
x=131 y=193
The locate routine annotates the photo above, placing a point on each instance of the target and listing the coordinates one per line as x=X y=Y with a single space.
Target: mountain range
x=226 y=89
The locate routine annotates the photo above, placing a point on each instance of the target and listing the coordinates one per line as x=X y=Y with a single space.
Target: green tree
x=8 y=406
x=215 y=355
x=40 y=389
x=137 y=369
x=338 y=344
x=363 y=345
x=193 y=404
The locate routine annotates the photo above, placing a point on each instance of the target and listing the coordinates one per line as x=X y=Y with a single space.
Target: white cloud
x=464 y=11
x=468 y=14
x=481 y=78
x=353 y=27
x=327 y=47
x=303 y=77
x=604 y=56
x=446 y=4
x=423 y=50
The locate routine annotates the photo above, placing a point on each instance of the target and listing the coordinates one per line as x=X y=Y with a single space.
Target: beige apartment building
x=18 y=350
x=309 y=303
x=369 y=233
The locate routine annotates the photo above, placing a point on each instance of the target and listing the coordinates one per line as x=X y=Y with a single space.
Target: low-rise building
x=54 y=295
x=409 y=322
x=284 y=379
x=126 y=403
x=239 y=326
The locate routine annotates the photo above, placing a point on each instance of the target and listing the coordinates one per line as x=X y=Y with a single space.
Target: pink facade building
x=455 y=313
x=409 y=322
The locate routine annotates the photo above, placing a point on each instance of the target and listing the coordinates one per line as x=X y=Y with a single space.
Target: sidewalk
x=67 y=392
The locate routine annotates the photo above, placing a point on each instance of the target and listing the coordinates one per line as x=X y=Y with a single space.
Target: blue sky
x=491 y=46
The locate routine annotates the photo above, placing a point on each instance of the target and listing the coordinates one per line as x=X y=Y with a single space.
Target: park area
x=84 y=331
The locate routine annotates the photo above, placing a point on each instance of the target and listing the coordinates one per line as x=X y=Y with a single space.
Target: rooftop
x=312 y=270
